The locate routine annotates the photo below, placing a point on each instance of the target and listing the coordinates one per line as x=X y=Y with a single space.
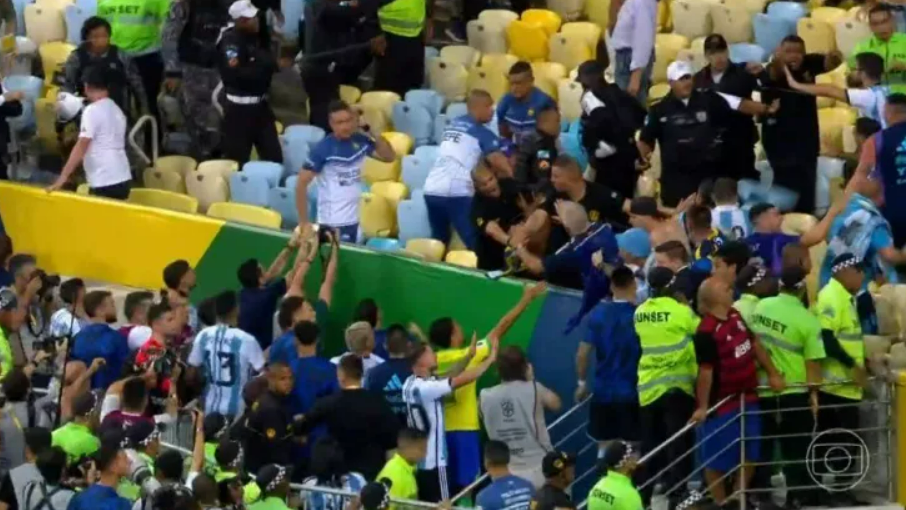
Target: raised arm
x=529 y=293
x=474 y=373
x=279 y=263
x=305 y=178
x=383 y=151
x=330 y=274
x=818 y=89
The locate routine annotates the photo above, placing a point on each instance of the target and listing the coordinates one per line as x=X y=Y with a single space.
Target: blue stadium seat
x=31 y=86
x=89 y=6
x=440 y=125
x=572 y=144
x=743 y=53
x=295 y=154
x=790 y=11
x=430 y=99
x=249 y=188
x=412 y=218
x=19 y=5
x=770 y=30
x=292 y=12
x=415 y=121
x=383 y=244
x=415 y=171
x=457 y=110
x=312 y=196
x=427 y=153
x=75 y=16
x=304 y=132
x=26 y=121
x=283 y=200
x=430 y=52
x=267 y=169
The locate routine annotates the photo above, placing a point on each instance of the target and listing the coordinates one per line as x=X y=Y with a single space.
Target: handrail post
x=900 y=399
x=742 y=451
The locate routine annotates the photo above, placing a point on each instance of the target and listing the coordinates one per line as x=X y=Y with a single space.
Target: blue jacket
x=99 y=497
x=101 y=341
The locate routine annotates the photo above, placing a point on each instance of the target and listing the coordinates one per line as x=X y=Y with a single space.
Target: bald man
x=727 y=352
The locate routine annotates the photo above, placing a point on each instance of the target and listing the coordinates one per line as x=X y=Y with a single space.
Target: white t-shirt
x=870 y=102
x=229 y=355
x=106 y=163
x=367 y=363
x=63 y=323
x=138 y=335
x=465 y=143
x=424 y=399
x=732 y=221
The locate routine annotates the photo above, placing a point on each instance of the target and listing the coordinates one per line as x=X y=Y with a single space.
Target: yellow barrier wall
x=900 y=431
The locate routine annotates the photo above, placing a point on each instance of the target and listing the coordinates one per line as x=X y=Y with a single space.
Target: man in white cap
x=689 y=124
x=246 y=69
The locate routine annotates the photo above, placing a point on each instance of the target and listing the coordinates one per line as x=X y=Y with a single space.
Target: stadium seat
x=83 y=189
x=376 y=216
x=770 y=30
x=182 y=165
x=271 y=171
x=548 y=86
x=829 y=15
x=848 y=33
x=550 y=21
x=696 y=59
x=569 y=51
x=460 y=54
x=791 y=11
x=586 y=31
x=53 y=56
x=449 y=79
x=743 y=53
x=463 y=258
x=415 y=171
x=527 y=41
x=164 y=180
x=570 y=94
x=664 y=19
x=163 y=200
x=244 y=213
x=567 y=9
x=75 y=17
x=797 y=223
x=283 y=200
x=396 y=192
x=380 y=99
x=455 y=110
x=428 y=153
x=295 y=155
x=249 y=188
x=31 y=86
x=440 y=125
x=432 y=249
x=19 y=7
x=221 y=167
x=486 y=37
x=497 y=63
x=501 y=17
x=44 y=24
x=414 y=120
x=666 y=47
x=831 y=122
x=401 y=143
x=208 y=188
x=350 y=94
x=412 y=219
x=733 y=21
x=818 y=36
x=550 y=70
x=691 y=18
x=376 y=171
x=491 y=82
x=46 y=118
x=383 y=244
x=825 y=79
x=598 y=12
x=657 y=92
x=377 y=120
x=430 y=99
x=304 y=133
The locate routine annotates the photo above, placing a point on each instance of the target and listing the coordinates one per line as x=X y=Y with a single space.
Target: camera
x=48 y=283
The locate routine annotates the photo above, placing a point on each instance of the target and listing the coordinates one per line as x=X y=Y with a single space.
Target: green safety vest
x=665 y=328
x=128 y=487
x=745 y=305
x=76 y=440
x=269 y=503
x=892 y=50
x=250 y=491
x=791 y=335
x=836 y=309
x=136 y=24
x=614 y=492
x=405 y=18
x=6 y=354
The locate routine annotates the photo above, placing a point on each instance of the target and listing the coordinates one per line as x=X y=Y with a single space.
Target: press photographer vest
x=198 y=41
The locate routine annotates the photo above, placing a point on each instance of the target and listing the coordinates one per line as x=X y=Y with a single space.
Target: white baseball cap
x=675 y=71
x=243 y=9
x=68 y=106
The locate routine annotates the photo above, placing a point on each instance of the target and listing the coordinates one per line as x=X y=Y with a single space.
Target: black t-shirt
x=505 y=211
x=792 y=133
x=549 y=497
x=269 y=432
x=8 y=494
x=601 y=203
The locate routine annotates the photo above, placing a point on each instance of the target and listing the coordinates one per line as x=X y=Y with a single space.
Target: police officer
x=615 y=490
x=721 y=75
x=690 y=124
x=269 y=427
x=246 y=69
x=667 y=371
x=189 y=49
x=401 y=49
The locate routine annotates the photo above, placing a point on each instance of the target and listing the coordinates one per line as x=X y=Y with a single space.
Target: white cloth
x=635 y=29
x=368 y=363
x=138 y=335
x=731 y=220
x=64 y=323
x=425 y=409
x=105 y=162
x=870 y=102
x=228 y=355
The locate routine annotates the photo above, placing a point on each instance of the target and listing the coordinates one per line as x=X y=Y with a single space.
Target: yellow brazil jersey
x=461 y=407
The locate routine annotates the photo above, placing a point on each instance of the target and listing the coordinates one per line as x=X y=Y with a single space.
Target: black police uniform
x=246 y=70
x=332 y=25
x=268 y=432
x=197 y=42
x=690 y=135
x=738 y=159
x=534 y=159
x=503 y=209
x=117 y=84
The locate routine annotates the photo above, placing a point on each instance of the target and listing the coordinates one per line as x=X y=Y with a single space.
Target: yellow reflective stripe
x=852 y=337
x=781 y=343
x=664 y=349
x=392 y=22
x=667 y=379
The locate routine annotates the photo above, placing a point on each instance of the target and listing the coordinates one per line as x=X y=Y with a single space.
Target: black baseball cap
x=555 y=462
x=589 y=68
x=271 y=476
x=376 y=495
x=660 y=277
x=715 y=43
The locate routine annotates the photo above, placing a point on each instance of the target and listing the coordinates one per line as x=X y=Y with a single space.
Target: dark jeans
x=659 y=421
x=433 y=486
x=617 y=172
x=446 y=211
x=322 y=84
x=151 y=69
x=402 y=68
x=116 y=191
x=247 y=125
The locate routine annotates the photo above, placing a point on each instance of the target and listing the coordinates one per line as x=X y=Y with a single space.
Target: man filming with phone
x=337 y=161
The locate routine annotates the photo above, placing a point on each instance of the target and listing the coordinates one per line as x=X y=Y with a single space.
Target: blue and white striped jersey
x=229 y=356
x=465 y=143
x=731 y=221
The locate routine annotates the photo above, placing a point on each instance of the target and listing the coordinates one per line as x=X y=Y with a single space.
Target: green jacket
x=136 y=24
x=892 y=51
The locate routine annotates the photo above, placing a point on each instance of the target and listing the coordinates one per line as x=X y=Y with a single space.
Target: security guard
x=667 y=371
x=753 y=283
x=269 y=427
x=689 y=124
x=401 y=49
x=274 y=482
x=246 y=69
x=229 y=456
x=792 y=337
x=189 y=49
x=615 y=490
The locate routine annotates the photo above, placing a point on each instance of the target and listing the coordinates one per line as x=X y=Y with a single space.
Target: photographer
x=34 y=291
x=99 y=340
x=68 y=321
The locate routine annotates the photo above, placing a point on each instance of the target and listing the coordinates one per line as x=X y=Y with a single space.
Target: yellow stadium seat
x=849 y=139
x=697 y=59
x=569 y=10
x=664 y=17
x=548 y=86
x=46 y=118
x=848 y=33
x=53 y=56
x=208 y=188
x=646 y=185
x=245 y=213
x=829 y=15
x=465 y=55
x=831 y=122
x=486 y=37
x=550 y=70
x=666 y=47
x=83 y=189
x=836 y=186
x=401 y=142
x=586 y=31
x=44 y=24
x=164 y=200
x=498 y=17
x=380 y=99
x=181 y=165
x=350 y=94
x=497 y=63
x=493 y=83
x=733 y=21
x=797 y=223
x=753 y=6
x=411 y=254
x=375 y=117
x=568 y=51
x=449 y=79
x=464 y=258
x=527 y=41
x=432 y=249
x=598 y=12
x=376 y=215
x=818 y=36
x=376 y=171
x=691 y=18
x=395 y=192
x=164 y=180
x=221 y=167
x=570 y=94
x=657 y=92
x=550 y=21
x=279 y=126
x=825 y=79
